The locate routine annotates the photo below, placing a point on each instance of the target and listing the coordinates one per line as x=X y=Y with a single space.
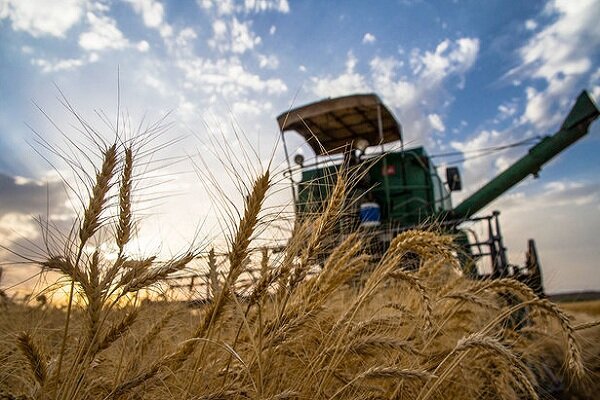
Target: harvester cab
x=398 y=188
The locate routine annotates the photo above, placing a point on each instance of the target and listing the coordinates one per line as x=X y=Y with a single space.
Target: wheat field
x=590 y=307
x=319 y=321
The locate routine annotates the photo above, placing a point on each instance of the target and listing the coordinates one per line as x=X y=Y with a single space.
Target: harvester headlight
x=299 y=159
x=361 y=145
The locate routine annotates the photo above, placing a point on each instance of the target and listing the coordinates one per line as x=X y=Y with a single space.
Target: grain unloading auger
x=400 y=189
x=575 y=126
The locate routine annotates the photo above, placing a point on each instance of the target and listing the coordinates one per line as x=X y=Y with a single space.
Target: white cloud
x=436 y=122
x=143 y=46
x=227 y=7
x=153 y=14
x=222 y=7
x=60 y=65
x=596 y=94
x=242 y=37
x=15 y=226
x=595 y=77
x=269 y=62
x=413 y=98
x=57 y=65
x=563 y=204
x=102 y=34
x=251 y=108
x=480 y=166
x=594 y=86
x=507 y=110
x=258 y=6
x=448 y=58
x=227 y=77
x=152 y=11
x=155 y=83
x=478 y=170
x=21 y=181
x=219 y=29
x=537 y=110
x=165 y=30
x=346 y=83
x=186 y=110
x=272 y=30
x=38 y=18
x=183 y=44
x=559 y=55
x=430 y=70
x=530 y=25
x=234 y=36
x=368 y=38
x=28 y=195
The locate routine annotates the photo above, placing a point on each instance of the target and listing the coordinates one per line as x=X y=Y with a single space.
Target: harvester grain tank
x=402 y=187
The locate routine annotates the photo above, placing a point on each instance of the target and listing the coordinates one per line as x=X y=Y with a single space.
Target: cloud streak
x=559 y=55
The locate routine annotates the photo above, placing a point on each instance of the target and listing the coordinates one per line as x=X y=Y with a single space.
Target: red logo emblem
x=388 y=170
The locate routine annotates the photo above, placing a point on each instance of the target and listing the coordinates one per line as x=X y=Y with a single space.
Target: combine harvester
x=400 y=190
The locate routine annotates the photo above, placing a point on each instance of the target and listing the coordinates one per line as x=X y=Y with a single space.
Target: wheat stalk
x=212 y=273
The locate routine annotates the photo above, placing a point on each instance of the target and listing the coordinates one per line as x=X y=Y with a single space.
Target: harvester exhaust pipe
x=575 y=126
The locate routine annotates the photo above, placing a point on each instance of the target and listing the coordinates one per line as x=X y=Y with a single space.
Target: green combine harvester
x=401 y=189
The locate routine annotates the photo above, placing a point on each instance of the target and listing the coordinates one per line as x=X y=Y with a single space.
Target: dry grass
x=359 y=328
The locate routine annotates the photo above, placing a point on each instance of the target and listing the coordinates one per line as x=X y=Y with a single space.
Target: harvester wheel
x=534 y=270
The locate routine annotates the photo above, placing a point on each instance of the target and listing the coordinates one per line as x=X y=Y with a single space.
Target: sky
x=459 y=75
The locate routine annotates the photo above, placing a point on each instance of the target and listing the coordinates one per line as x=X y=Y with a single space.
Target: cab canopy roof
x=332 y=125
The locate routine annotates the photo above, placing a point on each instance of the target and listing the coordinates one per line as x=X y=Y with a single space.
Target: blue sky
x=459 y=75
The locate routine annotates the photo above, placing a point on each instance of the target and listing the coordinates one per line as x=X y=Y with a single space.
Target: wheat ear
x=322 y=227
x=418 y=286
x=91 y=217
x=34 y=357
x=239 y=252
x=125 y=224
x=586 y=325
x=91 y=223
x=575 y=358
x=478 y=341
x=521 y=290
x=116 y=331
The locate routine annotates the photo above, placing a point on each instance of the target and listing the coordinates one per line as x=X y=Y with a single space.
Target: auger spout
x=575 y=126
